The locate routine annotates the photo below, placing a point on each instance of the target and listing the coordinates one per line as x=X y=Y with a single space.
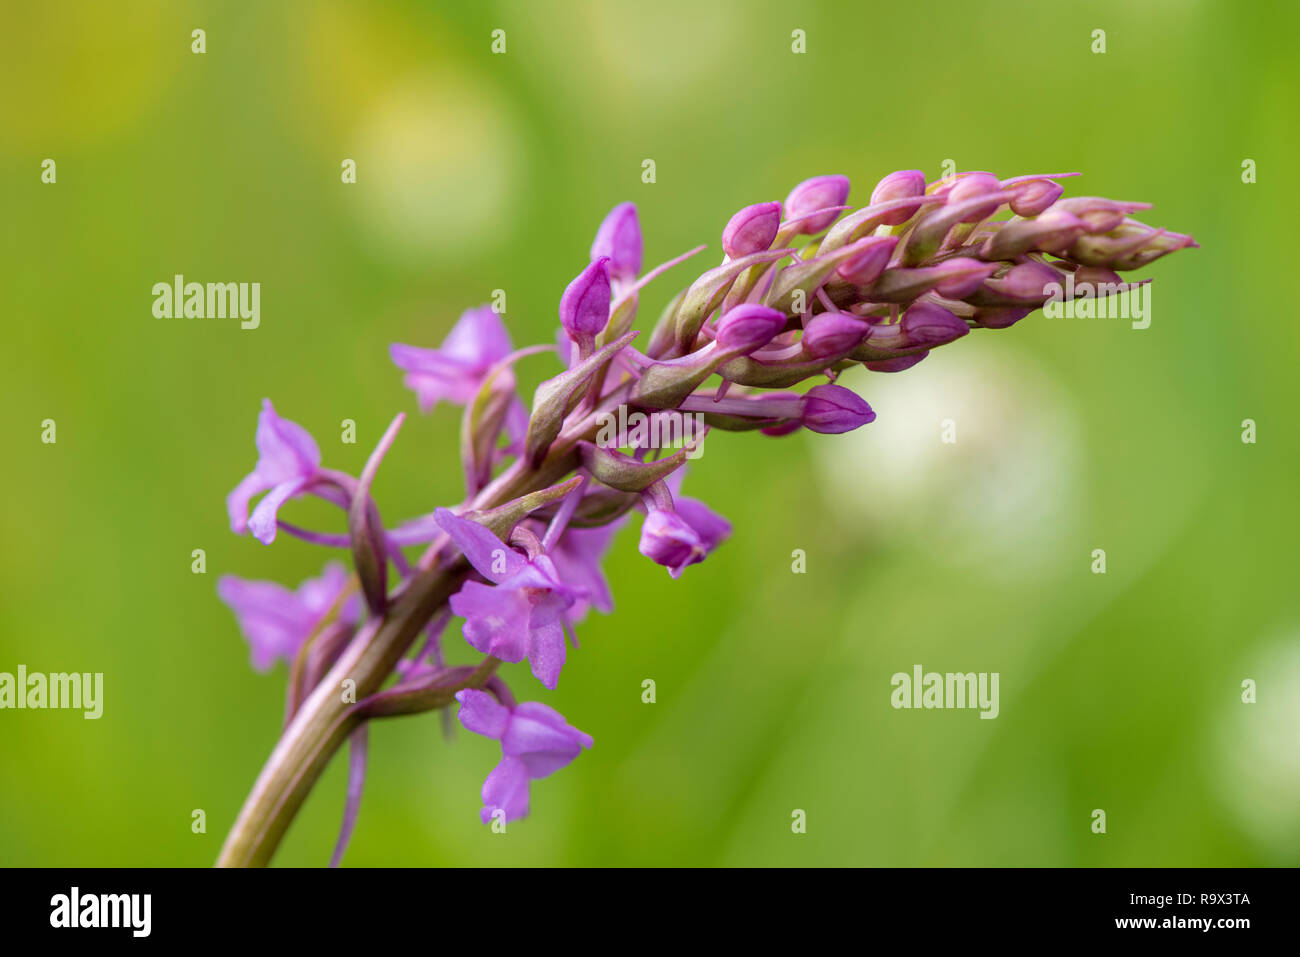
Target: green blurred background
x=479 y=171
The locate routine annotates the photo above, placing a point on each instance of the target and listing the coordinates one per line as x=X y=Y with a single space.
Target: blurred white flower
x=1257 y=771
x=999 y=495
x=437 y=159
x=642 y=53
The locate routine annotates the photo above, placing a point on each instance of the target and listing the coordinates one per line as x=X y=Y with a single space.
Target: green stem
x=328 y=716
x=325 y=719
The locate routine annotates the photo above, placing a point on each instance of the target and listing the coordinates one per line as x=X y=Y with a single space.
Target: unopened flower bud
x=814 y=194
x=832 y=409
x=751 y=230
x=931 y=229
x=833 y=334
x=929 y=324
x=972 y=186
x=668 y=539
x=1029 y=283
x=1111 y=248
x=868 y=261
x=953 y=278
x=584 y=307
x=1161 y=244
x=749 y=326
x=1034 y=196
x=962 y=276
x=1052 y=232
x=619 y=240
x=1098 y=214
x=904 y=184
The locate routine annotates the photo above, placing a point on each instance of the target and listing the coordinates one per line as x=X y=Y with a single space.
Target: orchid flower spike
x=807 y=290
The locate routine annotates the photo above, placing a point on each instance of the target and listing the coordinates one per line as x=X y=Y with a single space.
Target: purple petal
x=479 y=339
x=431 y=362
x=506 y=789
x=429 y=390
x=270 y=616
x=711 y=527
x=546 y=653
x=533 y=575
x=254 y=483
x=482 y=714
x=577 y=558
x=667 y=539
x=490 y=556
x=318 y=594
x=285 y=449
x=540 y=737
x=496 y=619
x=455 y=371
x=262 y=522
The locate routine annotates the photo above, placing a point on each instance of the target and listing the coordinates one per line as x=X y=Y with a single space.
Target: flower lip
x=536 y=741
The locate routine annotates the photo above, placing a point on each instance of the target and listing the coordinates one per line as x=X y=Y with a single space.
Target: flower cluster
x=806 y=289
